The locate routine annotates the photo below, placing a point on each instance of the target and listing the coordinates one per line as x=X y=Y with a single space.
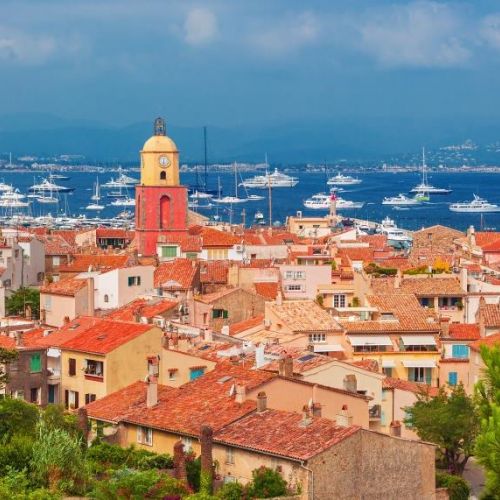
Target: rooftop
x=142 y=307
x=490 y=314
x=100 y=262
x=178 y=274
x=67 y=286
x=406 y=385
x=432 y=286
x=489 y=341
x=268 y=290
x=463 y=331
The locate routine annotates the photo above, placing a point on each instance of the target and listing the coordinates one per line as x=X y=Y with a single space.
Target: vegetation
x=266 y=483
x=458 y=488
x=17 y=417
x=6 y=356
x=487 y=392
x=448 y=420
x=376 y=270
x=17 y=303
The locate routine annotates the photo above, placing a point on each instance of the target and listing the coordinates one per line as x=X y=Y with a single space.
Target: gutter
x=311 y=491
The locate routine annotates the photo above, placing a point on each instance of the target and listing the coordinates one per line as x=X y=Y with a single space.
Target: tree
x=17 y=417
x=448 y=420
x=267 y=483
x=6 y=357
x=17 y=302
x=487 y=392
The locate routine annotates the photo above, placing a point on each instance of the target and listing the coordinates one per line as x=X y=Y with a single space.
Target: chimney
x=165 y=341
x=259 y=356
x=179 y=461
x=225 y=330
x=306 y=416
x=471 y=236
x=208 y=335
x=66 y=320
x=241 y=393
x=463 y=278
x=445 y=327
x=395 y=428
x=316 y=409
x=207 y=461
x=279 y=298
x=398 y=278
x=261 y=402
x=343 y=418
x=152 y=391
x=90 y=296
x=19 y=339
x=288 y=367
x=153 y=366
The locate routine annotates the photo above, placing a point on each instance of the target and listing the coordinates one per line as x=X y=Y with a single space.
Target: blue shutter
x=196 y=373
x=452 y=378
x=460 y=351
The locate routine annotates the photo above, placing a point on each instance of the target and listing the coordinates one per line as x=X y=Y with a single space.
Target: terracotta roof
x=489 y=341
x=103 y=336
x=142 y=307
x=267 y=290
x=214 y=238
x=30 y=340
x=100 y=262
x=368 y=364
x=246 y=324
x=208 y=298
x=214 y=271
x=67 y=286
x=490 y=314
x=282 y=433
x=187 y=242
x=487 y=238
x=67 y=332
x=376 y=241
x=67 y=235
x=437 y=237
x=303 y=360
x=406 y=385
x=108 y=232
x=364 y=254
x=56 y=245
x=432 y=286
x=463 y=331
x=178 y=274
x=304 y=315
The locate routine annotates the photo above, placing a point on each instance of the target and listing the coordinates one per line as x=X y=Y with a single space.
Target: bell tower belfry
x=161 y=202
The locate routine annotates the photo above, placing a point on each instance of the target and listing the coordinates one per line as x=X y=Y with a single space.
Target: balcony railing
x=375 y=412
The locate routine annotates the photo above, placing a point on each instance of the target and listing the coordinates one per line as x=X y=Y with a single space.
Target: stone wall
x=375 y=466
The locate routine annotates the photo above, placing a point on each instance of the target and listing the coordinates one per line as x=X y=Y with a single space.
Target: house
x=107 y=237
x=214 y=276
x=82 y=263
x=488 y=318
x=309 y=227
x=28 y=374
x=97 y=356
x=263 y=244
x=34 y=260
x=476 y=363
x=303 y=281
x=155 y=311
x=57 y=252
x=214 y=416
x=177 y=277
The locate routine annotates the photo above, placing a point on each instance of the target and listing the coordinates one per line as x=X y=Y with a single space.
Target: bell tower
x=161 y=202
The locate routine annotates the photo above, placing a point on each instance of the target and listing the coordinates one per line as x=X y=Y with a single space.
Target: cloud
x=419 y=34
x=490 y=30
x=22 y=48
x=200 y=26
x=287 y=35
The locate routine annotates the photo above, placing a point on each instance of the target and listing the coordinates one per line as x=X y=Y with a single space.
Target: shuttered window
x=453 y=378
x=35 y=363
x=72 y=366
x=169 y=251
x=460 y=351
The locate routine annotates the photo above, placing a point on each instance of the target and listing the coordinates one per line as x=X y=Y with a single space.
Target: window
x=72 y=367
x=316 y=338
x=229 y=456
x=196 y=372
x=294 y=288
x=188 y=444
x=217 y=253
x=145 y=435
x=35 y=395
x=339 y=300
x=56 y=260
x=191 y=255
x=134 y=280
x=48 y=302
x=172 y=373
x=299 y=275
x=387 y=372
x=163 y=176
x=289 y=275
x=427 y=302
x=19 y=394
x=89 y=398
x=106 y=298
x=453 y=378
x=423 y=375
x=418 y=348
x=94 y=368
x=7 y=283
x=170 y=251
x=219 y=313
x=460 y=351
x=370 y=348
x=71 y=399
x=35 y=363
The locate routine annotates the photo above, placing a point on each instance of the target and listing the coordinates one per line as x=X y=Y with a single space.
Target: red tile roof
x=108 y=232
x=67 y=286
x=267 y=290
x=490 y=314
x=432 y=286
x=142 y=307
x=100 y=262
x=485 y=239
x=246 y=324
x=462 y=331
x=187 y=242
x=282 y=433
x=211 y=237
x=214 y=272
x=178 y=274
x=489 y=341
x=406 y=385
x=56 y=245
x=30 y=340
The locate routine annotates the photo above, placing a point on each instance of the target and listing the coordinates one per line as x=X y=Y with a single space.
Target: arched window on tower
x=165 y=205
x=163 y=176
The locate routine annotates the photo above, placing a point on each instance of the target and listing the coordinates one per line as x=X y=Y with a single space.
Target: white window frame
x=230 y=456
x=145 y=435
x=339 y=300
x=294 y=288
x=317 y=338
x=188 y=444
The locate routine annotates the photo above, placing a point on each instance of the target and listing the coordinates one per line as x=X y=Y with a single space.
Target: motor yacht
x=200 y=195
x=477 y=205
x=322 y=201
x=400 y=200
x=424 y=188
x=275 y=180
x=343 y=180
x=230 y=200
x=396 y=237
x=47 y=186
x=123 y=202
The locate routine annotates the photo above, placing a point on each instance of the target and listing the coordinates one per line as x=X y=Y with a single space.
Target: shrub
x=15 y=485
x=16 y=454
x=193 y=471
x=17 y=417
x=457 y=486
x=230 y=491
x=154 y=461
x=267 y=483
x=201 y=496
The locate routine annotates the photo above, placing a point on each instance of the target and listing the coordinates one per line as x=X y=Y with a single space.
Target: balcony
x=54 y=374
x=375 y=412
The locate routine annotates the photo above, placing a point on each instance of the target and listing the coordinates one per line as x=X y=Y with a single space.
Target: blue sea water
x=287 y=201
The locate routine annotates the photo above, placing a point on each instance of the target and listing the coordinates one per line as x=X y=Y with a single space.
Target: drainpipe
x=311 y=490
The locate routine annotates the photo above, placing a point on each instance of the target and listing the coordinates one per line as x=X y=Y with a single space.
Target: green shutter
x=35 y=363
x=169 y=251
x=225 y=314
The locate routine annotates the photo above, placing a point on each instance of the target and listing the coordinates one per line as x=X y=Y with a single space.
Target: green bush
x=267 y=483
x=457 y=486
x=16 y=454
x=230 y=491
x=14 y=485
x=201 y=496
x=131 y=484
x=17 y=417
x=154 y=461
x=193 y=471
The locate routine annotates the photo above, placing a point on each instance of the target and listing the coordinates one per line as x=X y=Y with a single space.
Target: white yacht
x=343 y=180
x=424 y=188
x=321 y=201
x=123 y=202
x=5 y=187
x=47 y=186
x=200 y=195
x=275 y=180
x=255 y=197
x=122 y=181
x=259 y=218
x=400 y=200
x=13 y=199
x=477 y=205
x=230 y=200
x=395 y=237
x=96 y=197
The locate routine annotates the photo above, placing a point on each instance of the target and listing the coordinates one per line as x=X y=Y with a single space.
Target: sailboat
x=45 y=198
x=424 y=188
x=232 y=199
x=96 y=197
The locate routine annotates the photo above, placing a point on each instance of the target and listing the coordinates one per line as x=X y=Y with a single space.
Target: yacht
x=60 y=177
x=323 y=201
x=122 y=181
x=478 y=205
x=5 y=187
x=47 y=186
x=123 y=202
x=274 y=180
x=255 y=197
x=230 y=200
x=201 y=195
x=343 y=180
x=424 y=188
x=400 y=200
x=395 y=237
x=259 y=218
x=96 y=197
x=45 y=198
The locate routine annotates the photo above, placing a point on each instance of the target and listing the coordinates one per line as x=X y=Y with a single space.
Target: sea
x=288 y=201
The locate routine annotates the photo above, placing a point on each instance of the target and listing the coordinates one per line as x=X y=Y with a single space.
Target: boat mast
x=269 y=195
x=235 y=181
x=424 y=171
x=206 y=164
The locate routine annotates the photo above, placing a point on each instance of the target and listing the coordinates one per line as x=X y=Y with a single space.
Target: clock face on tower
x=164 y=161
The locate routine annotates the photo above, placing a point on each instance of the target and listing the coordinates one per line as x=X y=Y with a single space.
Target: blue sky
x=249 y=62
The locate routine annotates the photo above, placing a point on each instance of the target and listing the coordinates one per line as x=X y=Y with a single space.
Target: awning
x=328 y=348
x=361 y=340
x=419 y=363
x=53 y=353
x=388 y=363
x=418 y=339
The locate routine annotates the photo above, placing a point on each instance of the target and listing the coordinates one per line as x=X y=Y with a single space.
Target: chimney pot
x=152 y=391
x=306 y=416
x=344 y=419
x=395 y=428
x=240 y=393
x=261 y=402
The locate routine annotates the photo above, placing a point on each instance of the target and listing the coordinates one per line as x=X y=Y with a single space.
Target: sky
x=233 y=62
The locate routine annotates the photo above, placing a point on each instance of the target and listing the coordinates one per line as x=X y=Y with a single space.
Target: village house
x=177 y=277
x=476 y=364
x=488 y=318
x=58 y=252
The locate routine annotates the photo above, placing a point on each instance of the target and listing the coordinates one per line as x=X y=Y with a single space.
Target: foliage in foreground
x=22 y=297
x=458 y=488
